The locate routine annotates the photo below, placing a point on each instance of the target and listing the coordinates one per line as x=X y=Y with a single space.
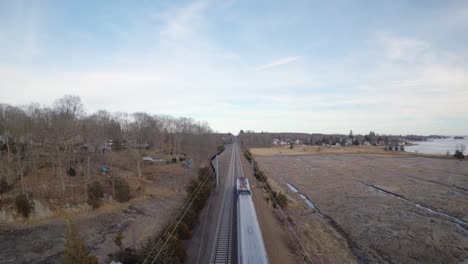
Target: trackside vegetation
x=277 y=198
x=167 y=246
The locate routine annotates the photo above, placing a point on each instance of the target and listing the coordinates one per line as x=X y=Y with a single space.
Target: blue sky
x=308 y=66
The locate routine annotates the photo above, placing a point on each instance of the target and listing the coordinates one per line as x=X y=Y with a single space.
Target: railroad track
x=223 y=245
x=222 y=252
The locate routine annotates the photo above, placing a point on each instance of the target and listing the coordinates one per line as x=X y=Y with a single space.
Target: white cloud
x=398 y=48
x=185 y=72
x=277 y=63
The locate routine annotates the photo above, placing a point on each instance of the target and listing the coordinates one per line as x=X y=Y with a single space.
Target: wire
x=204 y=227
x=169 y=226
x=175 y=227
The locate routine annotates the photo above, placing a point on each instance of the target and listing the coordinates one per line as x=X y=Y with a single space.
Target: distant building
x=139 y=146
x=106 y=146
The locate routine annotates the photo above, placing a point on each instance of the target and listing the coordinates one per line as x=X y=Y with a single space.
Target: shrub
x=23 y=206
x=190 y=218
x=174 y=160
x=122 y=191
x=183 y=231
x=279 y=199
x=192 y=186
x=180 y=252
x=247 y=155
x=95 y=194
x=118 y=239
x=459 y=154
x=75 y=250
x=127 y=256
x=259 y=175
x=3 y=185
x=172 y=253
x=71 y=171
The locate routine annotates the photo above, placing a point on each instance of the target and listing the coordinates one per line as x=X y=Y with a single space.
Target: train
x=250 y=246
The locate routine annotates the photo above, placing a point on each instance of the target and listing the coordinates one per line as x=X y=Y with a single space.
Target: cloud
x=277 y=63
x=20 y=32
x=185 y=69
x=398 y=48
x=181 y=23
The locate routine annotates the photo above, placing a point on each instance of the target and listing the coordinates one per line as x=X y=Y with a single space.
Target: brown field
x=381 y=208
x=299 y=150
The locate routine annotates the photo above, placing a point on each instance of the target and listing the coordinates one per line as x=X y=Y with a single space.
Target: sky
x=395 y=67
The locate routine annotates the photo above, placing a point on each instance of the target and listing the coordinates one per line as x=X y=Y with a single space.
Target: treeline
x=69 y=141
x=264 y=139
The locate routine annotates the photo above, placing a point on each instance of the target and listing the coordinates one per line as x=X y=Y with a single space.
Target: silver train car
x=250 y=246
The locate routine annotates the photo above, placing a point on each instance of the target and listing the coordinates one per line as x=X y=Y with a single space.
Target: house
x=106 y=146
x=139 y=146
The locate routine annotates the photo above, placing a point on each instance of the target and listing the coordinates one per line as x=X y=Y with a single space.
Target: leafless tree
x=65 y=136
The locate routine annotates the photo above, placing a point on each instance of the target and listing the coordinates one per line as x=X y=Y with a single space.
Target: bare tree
x=65 y=136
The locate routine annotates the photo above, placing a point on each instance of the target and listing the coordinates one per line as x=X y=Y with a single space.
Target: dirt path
x=274 y=237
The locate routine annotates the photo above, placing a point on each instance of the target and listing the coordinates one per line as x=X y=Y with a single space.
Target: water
x=438 y=146
x=309 y=203
x=458 y=222
x=292 y=188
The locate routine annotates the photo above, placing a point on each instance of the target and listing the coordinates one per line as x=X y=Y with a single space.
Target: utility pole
x=252 y=161
x=217 y=175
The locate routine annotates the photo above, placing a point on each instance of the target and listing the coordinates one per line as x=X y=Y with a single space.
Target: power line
x=175 y=227
x=169 y=226
x=204 y=227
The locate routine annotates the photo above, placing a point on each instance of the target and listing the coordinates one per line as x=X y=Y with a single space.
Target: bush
x=202 y=172
x=122 y=191
x=180 y=252
x=3 y=186
x=172 y=253
x=183 y=231
x=174 y=160
x=95 y=194
x=459 y=154
x=71 y=171
x=247 y=155
x=75 y=250
x=127 y=256
x=282 y=200
x=259 y=175
x=118 y=239
x=23 y=206
x=190 y=218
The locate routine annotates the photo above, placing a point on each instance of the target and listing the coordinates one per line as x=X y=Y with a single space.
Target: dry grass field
x=153 y=201
x=384 y=208
x=299 y=150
